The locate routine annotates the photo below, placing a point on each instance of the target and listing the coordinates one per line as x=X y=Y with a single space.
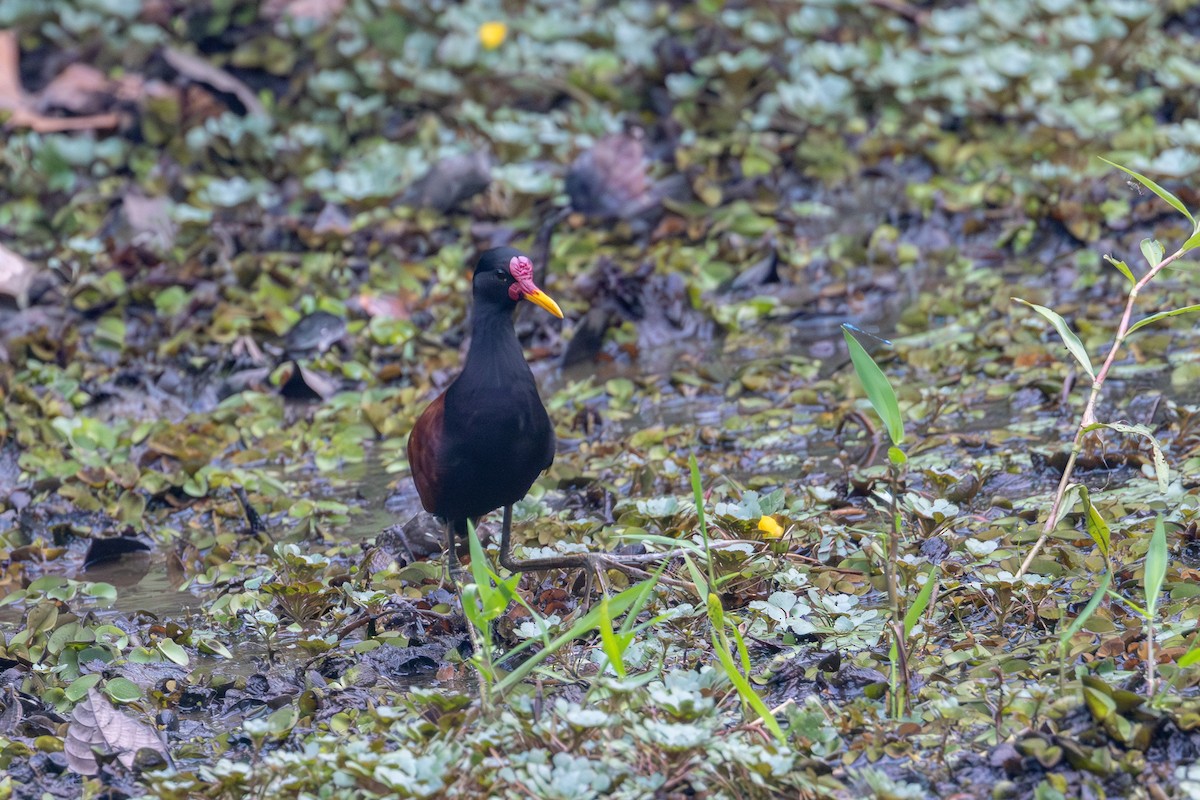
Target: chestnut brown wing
x=425 y=445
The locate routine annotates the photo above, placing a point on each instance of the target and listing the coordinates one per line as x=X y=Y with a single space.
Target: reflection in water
x=143 y=584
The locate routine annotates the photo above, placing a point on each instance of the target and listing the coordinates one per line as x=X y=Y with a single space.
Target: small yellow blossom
x=770 y=528
x=492 y=34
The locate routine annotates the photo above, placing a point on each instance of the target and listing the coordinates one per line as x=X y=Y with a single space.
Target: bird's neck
x=495 y=357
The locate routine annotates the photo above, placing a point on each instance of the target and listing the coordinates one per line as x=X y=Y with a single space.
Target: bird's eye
x=501 y=274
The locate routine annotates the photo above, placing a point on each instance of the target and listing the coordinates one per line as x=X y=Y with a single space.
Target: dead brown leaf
x=78 y=89
x=387 y=306
x=318 y=11
x=16 y=276
x=97 y=726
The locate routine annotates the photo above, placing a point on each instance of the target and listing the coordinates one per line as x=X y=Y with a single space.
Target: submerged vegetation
x=942 y=554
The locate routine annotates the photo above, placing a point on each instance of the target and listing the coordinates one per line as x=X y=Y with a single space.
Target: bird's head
x=504 y=276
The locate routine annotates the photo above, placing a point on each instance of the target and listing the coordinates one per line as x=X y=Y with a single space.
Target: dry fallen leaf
x=16 y=276
x=318 y=11
x=146 y=222
x=97 y=726
x=387 y=306
x=78 y=89
x=609 y=180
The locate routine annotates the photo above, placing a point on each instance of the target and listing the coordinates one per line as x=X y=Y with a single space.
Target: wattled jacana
x=483 y=442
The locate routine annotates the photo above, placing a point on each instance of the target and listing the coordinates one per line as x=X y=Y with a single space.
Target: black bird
x=484 y=441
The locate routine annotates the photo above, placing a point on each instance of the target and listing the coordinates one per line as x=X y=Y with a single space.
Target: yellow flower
x=770 y=528
x=492 y=34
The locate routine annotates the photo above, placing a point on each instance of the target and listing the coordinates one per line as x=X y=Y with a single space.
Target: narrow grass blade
x=543 y=628
x=1097 y=528
x=698 y=495
x=746 y=691
x=663 y=541
x=1158 y=190
x=1192 y=656
x=612 y=649
x=1068 y=336
x=1077 y=624
x=879 y=390
x=697 y=577
x=1156 y=566
x=479 y=571
x=743 y=653
x=920 y=602
x=1141 y=612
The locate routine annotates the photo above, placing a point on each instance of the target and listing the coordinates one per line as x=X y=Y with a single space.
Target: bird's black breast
x=497 y=440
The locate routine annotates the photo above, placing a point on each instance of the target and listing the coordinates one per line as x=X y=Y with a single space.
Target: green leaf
x=1153 y=252
x=493 y=599
x=1122 y=267
x=1158 y=190
x=698 y=497
x=878 y=388
x=41 y=617
x=281 y=722
x=920 y=603
x=742 y=650
x=1077 y=624
x=1097 y=528
x=1192 y=656
x=1100 y=704
x=123 y=690
x=612 y=649
x=697 y=577
x=1161 y=470
x=1156 y=566
x=101 y=591
x=173 y=651
x=1153 y=318
x=471 y=604
x=1068 y=336
x=80 y=686
x=1070 y=498
x=213 y=648
x=1192 y=242
x=716 y=611
x=1141 y=612
x=668 y=542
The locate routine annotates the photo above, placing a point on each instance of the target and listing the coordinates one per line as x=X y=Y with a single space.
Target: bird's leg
x=452 y=572
x=596 y=562
x=575 y=561
x=591 y=564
